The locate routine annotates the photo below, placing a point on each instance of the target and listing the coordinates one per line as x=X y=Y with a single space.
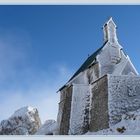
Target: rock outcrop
x=24 y=121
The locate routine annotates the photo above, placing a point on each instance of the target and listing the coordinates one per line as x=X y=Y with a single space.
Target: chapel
x=106 y=86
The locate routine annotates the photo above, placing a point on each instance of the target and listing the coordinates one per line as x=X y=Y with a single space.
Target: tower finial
x=109 y=29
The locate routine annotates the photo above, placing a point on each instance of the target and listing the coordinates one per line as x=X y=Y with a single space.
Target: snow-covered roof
x=86 y=64
x=91 y=58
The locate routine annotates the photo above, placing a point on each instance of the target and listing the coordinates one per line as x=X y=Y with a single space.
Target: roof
x=86 y=64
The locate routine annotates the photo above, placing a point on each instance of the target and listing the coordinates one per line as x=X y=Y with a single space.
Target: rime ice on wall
x=79 y=110
x=109 y=29
x=112 y=60
x=123 y=96
x=129 y=125
x=112 y=97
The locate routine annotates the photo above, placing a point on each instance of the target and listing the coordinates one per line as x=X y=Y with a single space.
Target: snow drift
x=48 y=128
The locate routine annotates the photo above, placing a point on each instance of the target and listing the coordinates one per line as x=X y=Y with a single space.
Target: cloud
x=14 y=53
x=43 y=96
x=21 y=84
x=46 y=105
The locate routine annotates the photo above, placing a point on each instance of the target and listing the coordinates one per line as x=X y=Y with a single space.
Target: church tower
x=109 y=29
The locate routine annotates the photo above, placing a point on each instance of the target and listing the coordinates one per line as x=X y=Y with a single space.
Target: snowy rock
x=24 y=121
x=48 y=128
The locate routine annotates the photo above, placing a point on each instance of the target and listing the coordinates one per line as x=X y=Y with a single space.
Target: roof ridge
x=90 y=58
x=86 y=63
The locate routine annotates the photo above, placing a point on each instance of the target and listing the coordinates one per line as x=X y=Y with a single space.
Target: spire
x=109 y=30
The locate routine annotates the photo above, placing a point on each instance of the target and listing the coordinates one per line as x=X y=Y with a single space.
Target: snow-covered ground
x=48 y=128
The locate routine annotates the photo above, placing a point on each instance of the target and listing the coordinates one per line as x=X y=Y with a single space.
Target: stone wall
x=99 y=105
x=111 y=97
x=64 y=110
x=123 y=96
x=99 y=118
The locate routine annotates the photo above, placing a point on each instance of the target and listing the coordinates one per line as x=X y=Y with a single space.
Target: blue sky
x=42 y=46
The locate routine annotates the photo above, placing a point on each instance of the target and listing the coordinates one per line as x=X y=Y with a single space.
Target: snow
x=24 y=111
x=24 y=121
x=129 y=125
x=129 y=68
x=48 y=128
x=79 y=109
x=81 y=78
x=112 y=60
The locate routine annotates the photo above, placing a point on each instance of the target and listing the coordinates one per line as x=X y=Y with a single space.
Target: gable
x=86 y=64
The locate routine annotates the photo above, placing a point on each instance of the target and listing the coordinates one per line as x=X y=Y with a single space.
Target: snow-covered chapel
x=105 y=87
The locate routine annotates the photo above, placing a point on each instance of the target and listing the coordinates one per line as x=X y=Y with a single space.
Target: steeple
x=109 y=30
